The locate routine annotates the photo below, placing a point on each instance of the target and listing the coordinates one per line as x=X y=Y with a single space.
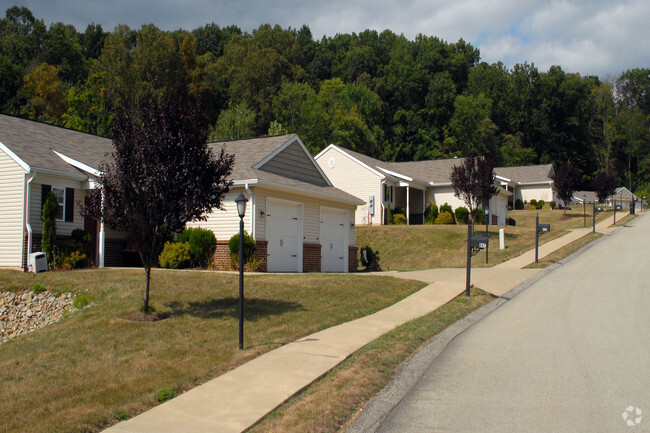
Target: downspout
x=382 y=195
x=102 y=239
x=27 y=225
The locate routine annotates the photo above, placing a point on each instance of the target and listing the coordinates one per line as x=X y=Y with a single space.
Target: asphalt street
x=571 y=353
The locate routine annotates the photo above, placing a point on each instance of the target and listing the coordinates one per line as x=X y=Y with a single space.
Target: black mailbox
x=480 y=242
x=543 y=228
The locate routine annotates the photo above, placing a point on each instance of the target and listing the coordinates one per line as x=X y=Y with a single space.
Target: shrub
x=480 y=215
x=82 y=301
x=399 y=219
x=48 y=216
x=533 y=202
x=431 y=213
x=369 y=259
x=389 y=214
x=82 y=241
x=540 y=204
x=512 y=222
x=532 y=207
x=202 y=243
x=519 y=205
x=175 y=255
x=75 y=260
x=446 y=208
x=462 y=215
x=444 y=217
x=165 y=394
x=250 y=246
x=553 y=205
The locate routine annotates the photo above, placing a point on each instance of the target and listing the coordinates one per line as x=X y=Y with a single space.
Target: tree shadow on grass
x=229 y=307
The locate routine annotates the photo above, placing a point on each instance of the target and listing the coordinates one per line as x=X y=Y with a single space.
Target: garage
x=284 y=235
x=333 y=237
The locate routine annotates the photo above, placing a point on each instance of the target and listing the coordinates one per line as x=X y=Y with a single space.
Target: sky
x=590 y=37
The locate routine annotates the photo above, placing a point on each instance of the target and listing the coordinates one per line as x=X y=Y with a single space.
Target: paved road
x=569 y=354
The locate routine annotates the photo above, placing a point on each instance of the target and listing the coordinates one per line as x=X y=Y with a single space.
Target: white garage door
x=333 y=239
x=283 y=233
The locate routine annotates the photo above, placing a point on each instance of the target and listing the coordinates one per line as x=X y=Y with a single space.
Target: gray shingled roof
x=34 y=142
x=527 y=174
x=251 y=151
x=435 y=171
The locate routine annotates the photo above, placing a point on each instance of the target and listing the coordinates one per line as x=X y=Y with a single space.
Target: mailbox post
x=474 y=245
x=540 y=229
x=594 y=230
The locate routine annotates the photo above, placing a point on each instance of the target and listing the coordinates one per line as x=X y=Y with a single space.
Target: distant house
x=34 y=159
x=623 y=197
x=528 y=182
x=300 y=221
x=407 y=185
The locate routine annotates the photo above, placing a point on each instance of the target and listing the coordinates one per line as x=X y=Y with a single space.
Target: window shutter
x=45 y=189
x=69 y=205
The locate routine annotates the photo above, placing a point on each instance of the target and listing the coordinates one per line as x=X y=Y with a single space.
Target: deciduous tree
x=473 y=182
x=162 y=174
x=565 y=181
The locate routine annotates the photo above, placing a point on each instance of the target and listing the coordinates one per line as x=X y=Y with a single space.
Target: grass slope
x=405 y=248
x=94 y=368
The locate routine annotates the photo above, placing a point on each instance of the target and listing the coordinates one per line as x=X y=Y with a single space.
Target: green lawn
x=94 y=367
x=404 y=248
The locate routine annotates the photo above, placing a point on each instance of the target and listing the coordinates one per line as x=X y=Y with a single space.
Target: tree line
x=377 y=93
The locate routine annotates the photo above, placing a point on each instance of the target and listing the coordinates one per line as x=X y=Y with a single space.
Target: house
x=583 y=197
x=407 y=185
x=300 y=221
x=34 y=159
x=624 y=198
x=533 y=182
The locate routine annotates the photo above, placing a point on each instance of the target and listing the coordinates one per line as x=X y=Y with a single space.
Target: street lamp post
x=584 y=209
x=241 y=201
x=487 y=233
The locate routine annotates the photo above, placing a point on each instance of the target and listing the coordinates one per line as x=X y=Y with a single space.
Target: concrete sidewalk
x=238 y=399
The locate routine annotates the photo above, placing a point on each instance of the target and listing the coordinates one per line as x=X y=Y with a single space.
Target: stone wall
x=27 y=311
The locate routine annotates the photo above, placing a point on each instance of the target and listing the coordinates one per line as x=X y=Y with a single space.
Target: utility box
x=543 y=228
x=37 y=262
x=480 y=242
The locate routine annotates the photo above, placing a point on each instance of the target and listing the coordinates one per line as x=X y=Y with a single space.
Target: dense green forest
x=377 y=93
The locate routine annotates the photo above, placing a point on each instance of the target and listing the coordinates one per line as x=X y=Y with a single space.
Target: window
x=65 y=199
x=59 y=193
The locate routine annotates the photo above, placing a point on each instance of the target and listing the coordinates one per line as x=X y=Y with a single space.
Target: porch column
x=101 y=242
x=408 y=207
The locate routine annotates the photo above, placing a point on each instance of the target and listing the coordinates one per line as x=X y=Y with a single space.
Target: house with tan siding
x=409 y=185
x=34 y=159
x=299 y=220
x=532 y=182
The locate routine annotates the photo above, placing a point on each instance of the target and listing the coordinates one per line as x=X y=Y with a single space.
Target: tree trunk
x=147 y=273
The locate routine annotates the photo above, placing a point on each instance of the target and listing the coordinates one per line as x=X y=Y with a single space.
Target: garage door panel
x=283 y=235
x=333 y=235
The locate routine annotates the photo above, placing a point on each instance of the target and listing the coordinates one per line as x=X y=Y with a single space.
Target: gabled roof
x=253 y=156
x=529 y=174
x=432 y=172
x=39 y=147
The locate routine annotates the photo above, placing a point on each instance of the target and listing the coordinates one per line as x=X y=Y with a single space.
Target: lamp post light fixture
x=584 y=209
x=241 y=201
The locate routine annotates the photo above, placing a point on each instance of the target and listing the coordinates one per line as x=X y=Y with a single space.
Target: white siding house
x=300 y=221
x=34 y=159
x=408 y=185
